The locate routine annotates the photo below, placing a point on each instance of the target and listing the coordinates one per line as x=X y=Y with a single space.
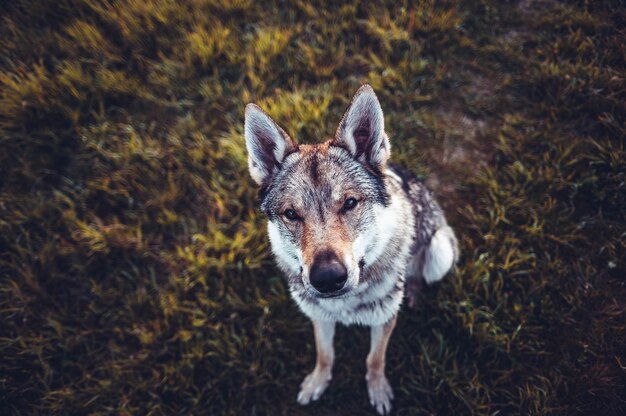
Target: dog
x=351 y=232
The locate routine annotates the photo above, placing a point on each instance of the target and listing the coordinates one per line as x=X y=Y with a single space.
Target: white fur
x=373 y=243
x=439 y=256
x=393 y=176
x=289 y=258
x=279 y=150
x=342 y=309
x=353 y=270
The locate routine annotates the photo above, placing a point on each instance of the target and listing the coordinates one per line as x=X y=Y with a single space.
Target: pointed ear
x=267 y=144
x=362 y=129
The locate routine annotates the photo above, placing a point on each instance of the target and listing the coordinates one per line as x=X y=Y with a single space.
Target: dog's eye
x=349 y=204
x=290 y=214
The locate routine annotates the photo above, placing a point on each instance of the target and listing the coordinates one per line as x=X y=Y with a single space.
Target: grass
x=135 y=274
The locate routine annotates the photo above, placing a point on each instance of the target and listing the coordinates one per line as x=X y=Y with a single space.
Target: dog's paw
x=313 y=386
x=380 y=392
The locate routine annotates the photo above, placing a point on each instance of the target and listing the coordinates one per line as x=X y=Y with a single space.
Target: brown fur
x=347 y=261
x=376 y=357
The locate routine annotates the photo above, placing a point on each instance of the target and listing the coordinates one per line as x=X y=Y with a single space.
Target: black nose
x=328 y=274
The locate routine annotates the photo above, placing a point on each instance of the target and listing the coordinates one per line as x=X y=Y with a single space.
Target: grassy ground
x=135 y=276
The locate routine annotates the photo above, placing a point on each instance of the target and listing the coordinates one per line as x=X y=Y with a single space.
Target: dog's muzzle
x=328 y=274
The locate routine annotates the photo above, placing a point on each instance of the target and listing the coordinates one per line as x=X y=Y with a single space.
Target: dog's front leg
x=377 y=385
x=315 y=383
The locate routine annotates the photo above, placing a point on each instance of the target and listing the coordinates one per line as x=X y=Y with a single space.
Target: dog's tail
x=440 y=255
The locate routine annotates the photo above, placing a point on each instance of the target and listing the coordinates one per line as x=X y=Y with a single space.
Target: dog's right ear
x=267 y=144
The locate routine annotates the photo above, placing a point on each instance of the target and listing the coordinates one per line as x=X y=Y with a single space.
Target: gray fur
x=395 y=238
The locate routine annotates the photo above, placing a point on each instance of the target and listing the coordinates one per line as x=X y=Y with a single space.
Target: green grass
x=135 y=274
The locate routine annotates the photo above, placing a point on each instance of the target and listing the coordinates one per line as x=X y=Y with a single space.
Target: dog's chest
x=372 y=303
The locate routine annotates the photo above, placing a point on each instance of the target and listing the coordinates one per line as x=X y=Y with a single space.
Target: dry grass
x=135 y=275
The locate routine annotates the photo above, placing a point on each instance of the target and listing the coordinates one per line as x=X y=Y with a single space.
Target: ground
x=135 y=273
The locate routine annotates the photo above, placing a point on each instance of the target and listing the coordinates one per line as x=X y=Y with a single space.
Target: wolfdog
x=349 y=230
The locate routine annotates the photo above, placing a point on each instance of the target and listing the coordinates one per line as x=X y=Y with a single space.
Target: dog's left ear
x=362 y=129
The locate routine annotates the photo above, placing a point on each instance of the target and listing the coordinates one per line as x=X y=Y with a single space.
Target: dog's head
x=325 y=203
